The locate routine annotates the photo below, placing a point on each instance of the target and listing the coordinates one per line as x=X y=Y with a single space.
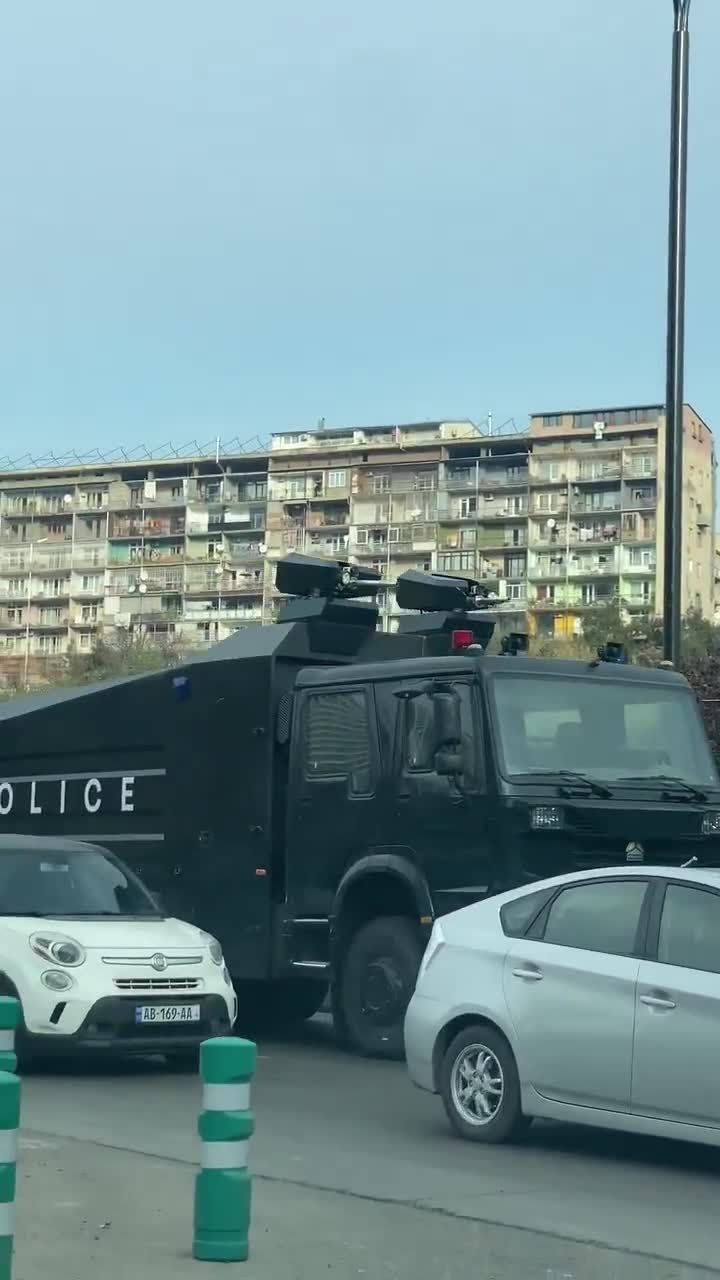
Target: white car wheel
x=480 y=1087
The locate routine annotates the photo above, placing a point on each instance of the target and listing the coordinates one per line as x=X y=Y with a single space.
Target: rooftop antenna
x=489 y=422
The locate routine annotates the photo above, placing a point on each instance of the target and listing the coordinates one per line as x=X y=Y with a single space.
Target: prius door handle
x=532 y=975
x=658 y=1002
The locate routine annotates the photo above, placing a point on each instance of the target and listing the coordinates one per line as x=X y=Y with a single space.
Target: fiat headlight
x=58 y=949
x=213 y=946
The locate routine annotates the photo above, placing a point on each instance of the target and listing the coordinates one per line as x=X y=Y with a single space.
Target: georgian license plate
x=148 y=1013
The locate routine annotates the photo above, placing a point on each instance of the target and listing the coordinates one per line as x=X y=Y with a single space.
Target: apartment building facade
x=558 y=520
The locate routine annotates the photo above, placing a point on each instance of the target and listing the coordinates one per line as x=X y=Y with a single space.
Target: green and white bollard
x=222 y=1188
x=9 y=1018
x=9 y=1124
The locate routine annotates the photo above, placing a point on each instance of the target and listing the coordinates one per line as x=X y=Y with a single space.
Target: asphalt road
x=329 y=1120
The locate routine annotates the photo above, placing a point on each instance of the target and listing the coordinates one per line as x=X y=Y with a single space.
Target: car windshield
x=80 y=883
x=605 y=729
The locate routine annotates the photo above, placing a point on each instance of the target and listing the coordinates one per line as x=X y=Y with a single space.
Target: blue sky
x=232 y=217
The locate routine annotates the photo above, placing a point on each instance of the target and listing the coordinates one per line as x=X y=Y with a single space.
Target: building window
x=49 y=644
x=552 y=420
x=467 y=507
x=515 y=567
x=516 y=591
x=336 y=479
x=457 y=562
x=381 y=483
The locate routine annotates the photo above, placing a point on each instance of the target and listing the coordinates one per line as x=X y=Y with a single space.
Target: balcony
x=338 y=518
x=638 y=531
x=552 y=506
x=639 y=601
x=468 y=478
x=546 y=572
x=549 y=474
x=240 y=553
x=596 y=472
x=40 y=623
x=396 y=482
x=151 y=528
x=583 y=503
x=639 y=498
x=150 y=555
x=583 y=567
x=89 y=559
x=646 y=568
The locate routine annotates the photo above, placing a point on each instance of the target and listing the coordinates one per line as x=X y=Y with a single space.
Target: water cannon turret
x=327 y=590
x=449 y=607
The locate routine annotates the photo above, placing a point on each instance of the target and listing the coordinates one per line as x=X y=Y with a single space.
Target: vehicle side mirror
x=448 y=764
x=448 y=731
x=448 y=734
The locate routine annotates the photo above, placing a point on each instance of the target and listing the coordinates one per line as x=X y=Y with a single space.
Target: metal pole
x=28 y=602
x=674 y=394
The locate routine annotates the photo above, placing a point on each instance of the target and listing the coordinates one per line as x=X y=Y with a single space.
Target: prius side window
x=601 y=916
x=690 y=929
x=517 y=916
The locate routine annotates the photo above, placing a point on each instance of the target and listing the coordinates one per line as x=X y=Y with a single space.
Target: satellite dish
x=131 y=588
x=67 y=499
x=262 y=548
x=550 y=524
x=142 y=588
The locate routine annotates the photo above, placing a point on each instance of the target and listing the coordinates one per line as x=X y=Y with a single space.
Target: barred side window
x=337 y=738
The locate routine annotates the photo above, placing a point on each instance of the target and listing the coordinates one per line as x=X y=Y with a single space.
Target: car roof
x=45 y=844
x=699 y=875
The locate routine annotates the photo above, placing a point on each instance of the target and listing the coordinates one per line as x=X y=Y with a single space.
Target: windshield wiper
x=686 y=787
x=566 y=775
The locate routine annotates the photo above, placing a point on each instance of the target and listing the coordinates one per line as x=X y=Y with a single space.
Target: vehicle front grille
x=158 y=984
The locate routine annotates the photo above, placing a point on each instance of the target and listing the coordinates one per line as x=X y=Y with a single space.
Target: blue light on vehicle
x=547 y=817
x=182 y=687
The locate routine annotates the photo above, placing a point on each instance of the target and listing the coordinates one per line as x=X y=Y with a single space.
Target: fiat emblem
x=159 y=962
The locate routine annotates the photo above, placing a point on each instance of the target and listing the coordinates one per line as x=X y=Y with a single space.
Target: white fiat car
x=94 y=961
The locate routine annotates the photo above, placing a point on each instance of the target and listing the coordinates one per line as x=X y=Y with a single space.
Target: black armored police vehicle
x=315 y=792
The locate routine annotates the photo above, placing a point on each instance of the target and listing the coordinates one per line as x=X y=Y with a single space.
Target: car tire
x=480 y=1087
x=377 y=980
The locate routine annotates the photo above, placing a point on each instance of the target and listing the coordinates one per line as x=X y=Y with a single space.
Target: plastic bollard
x=9 y=1019
x=222 y=1187
x=9 y=1124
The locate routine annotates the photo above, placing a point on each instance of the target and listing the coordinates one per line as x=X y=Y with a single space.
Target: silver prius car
x=592 y=998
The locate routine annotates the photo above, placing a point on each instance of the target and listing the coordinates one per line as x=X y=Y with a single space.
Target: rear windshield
x=82 y=883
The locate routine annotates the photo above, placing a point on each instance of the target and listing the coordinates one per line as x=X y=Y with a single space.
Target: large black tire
x=497 y=1083
x=269 y=1006
x=377 y=979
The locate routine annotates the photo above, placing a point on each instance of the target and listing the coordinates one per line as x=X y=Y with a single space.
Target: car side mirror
x=448 y=730
x=448 y=763
x=448 y=734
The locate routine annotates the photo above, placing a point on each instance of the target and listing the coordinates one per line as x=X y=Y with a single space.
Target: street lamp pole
x=674 y=394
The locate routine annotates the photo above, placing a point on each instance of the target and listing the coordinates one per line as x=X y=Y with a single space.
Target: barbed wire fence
x=192 y=451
